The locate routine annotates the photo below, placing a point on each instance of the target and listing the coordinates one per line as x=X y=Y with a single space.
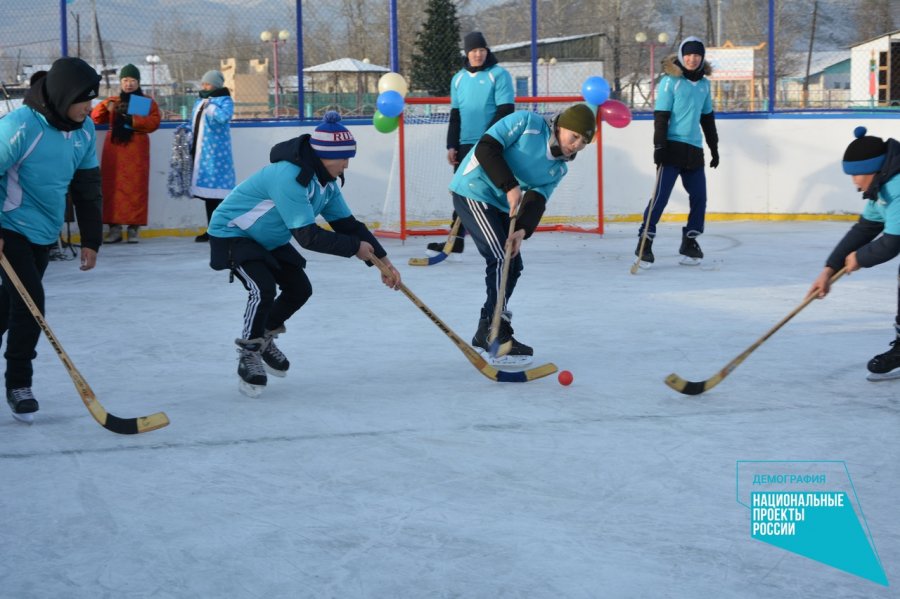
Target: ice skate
x=133 y=233
x=456 y=252
x=886 y=366
x=691 y=254
x=22 y=403
x=646 y=255
x=114 y=235
x=519 y=354
x=251 y=371
x=276 y=363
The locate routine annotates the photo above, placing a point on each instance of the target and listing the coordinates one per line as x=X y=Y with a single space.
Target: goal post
x=418 y=200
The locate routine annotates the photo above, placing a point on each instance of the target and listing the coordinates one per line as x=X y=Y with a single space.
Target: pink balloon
x=615 y=113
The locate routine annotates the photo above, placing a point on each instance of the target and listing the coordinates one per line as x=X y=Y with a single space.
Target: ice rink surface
x=385 y=465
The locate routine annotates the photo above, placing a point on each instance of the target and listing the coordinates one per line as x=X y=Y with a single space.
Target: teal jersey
x=477 y=96
x=886 y=209
x=686 y=100
x=37 y=163
x=271 y=202
x=525 y=137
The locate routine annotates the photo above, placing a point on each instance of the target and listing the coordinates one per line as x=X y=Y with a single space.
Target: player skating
x=683 y=109
x=47 y=147
x=511 y=173
x=874 y=165
x=260 y=227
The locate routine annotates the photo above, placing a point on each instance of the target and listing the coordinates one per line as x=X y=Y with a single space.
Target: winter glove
x=715 y=157
x=121 y=108
x=658 y=154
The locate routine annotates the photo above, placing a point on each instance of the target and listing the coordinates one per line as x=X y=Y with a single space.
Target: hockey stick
x=123 y=426
x=501 y=376
x=644 y=235
x=444 y=253
x=691 y=388
x=494 y=346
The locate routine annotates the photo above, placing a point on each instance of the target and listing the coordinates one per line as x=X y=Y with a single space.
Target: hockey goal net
x=418 y=200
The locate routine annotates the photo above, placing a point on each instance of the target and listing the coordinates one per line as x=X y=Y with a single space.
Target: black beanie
x=69 y=81
x=474 y=40
x=865 y=154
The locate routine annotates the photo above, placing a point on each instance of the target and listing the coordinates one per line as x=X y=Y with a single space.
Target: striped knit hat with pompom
x=333 y=140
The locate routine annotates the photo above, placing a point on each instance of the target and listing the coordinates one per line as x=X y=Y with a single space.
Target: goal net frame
x=399 y=215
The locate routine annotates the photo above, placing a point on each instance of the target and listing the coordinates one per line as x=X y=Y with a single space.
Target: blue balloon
x=390 y=103
x=595 y=90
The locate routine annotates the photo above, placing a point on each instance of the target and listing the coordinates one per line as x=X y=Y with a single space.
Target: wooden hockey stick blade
x=123 y=426
x=431 y=260
x=501 y=376
x=444 y=253
x=696 y=388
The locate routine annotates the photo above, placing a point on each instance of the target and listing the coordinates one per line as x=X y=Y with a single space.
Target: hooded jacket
x=44 y=154
x=281 y=201
x=684 y=109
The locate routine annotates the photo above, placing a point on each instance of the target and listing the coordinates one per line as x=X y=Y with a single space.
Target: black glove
x=658 y=154
x=715 y=157
x=121 y=108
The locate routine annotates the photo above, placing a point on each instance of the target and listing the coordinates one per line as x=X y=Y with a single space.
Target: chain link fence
x=288 y=59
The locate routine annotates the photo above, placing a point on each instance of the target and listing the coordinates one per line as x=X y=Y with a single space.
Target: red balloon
x=615 y=113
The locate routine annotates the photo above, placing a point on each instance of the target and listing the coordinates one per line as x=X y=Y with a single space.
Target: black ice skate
x=276 y=363
x=519 y=353
x=690 y=250
x=251 y=371
x=646 y=255
x=886 y=366
x=459 y=245
x=22 y=403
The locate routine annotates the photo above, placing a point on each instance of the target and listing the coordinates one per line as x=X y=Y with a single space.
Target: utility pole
x=812 y=39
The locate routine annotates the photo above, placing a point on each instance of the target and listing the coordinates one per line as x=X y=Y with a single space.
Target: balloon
x=615 y=113
x=393 y=81
x=595 y=90
x=385 y=124
x=390 y=103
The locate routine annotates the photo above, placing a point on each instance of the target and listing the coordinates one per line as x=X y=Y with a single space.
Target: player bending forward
x=874 y=165
x=512 y=170
x=258 y=230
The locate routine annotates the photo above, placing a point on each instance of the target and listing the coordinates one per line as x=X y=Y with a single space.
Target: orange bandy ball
x=565 y=378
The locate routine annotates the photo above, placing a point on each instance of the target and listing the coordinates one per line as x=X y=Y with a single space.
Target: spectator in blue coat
x=213 y=174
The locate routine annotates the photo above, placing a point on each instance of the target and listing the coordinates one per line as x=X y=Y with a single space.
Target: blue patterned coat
x=213 y=172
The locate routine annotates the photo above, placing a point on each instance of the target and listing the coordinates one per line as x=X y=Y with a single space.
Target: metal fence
x=287 y=59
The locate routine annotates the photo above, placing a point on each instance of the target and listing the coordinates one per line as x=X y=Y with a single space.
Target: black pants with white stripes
x=488 y=227
x=264 y=310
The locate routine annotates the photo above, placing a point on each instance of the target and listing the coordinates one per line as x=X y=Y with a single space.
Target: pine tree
x=437 y=56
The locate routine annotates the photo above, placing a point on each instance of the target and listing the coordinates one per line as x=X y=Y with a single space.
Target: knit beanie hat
x=331 y=140
x=129 y=70
x=865 y=154
x=70 y=81
x=691 y=45
x=474 y=40
x=214 y=78
x=580 y=119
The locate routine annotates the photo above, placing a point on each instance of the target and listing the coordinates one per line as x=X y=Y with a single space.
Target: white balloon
x=393 y=81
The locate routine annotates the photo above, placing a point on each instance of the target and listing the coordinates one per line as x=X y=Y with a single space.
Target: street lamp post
x=661 y=40
x=549 y=62
x=152 y=60
x=276 y=39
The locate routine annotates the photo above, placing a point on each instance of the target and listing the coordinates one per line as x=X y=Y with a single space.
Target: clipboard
x=139 y=105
